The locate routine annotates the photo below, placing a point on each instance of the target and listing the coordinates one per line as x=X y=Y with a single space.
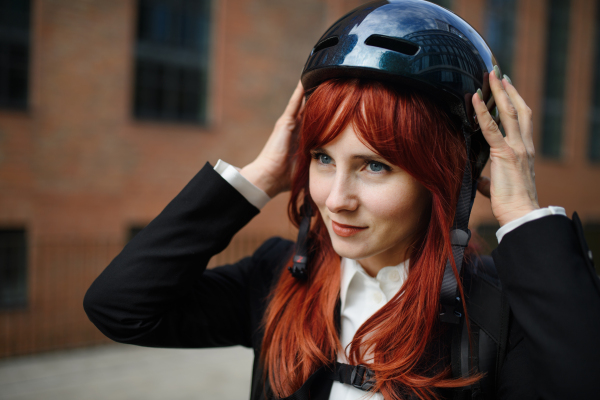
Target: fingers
x=296 y=102
x=489 y=128
x=515 y=115
x=524 y=112
x=512 y=185
x=508 y=112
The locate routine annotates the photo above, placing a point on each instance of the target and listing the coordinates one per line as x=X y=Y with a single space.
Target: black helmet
x=423 y=46
x=413 y=43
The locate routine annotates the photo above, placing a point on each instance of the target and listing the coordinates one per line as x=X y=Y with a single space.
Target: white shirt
x=360 y=294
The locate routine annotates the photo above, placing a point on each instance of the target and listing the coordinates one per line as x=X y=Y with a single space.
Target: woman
x=388 y=157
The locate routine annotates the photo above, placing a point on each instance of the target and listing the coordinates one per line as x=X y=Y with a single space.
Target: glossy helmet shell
x=410 y=43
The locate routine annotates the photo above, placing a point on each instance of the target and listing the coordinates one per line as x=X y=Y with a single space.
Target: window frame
x=159 y=92
x=12 y=37
x=554 y=111
x=593 y=140
x=19 y=298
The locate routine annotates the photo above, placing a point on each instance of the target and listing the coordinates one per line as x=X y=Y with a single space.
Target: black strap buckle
x=451 y=313
x=298 y=269
x=362 y=378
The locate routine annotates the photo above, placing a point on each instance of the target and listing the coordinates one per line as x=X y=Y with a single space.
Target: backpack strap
x=459 y=358
x=489 y=317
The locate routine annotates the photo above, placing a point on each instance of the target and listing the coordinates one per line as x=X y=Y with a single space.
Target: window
x=500 y=31
x=171 y=63
x=594 y=140
x=14 y=53
x=13 y=268
x=556 y=69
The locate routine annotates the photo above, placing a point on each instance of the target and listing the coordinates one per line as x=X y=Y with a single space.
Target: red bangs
x=404 y=127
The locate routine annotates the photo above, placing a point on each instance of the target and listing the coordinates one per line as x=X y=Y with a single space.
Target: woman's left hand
x=511 y=188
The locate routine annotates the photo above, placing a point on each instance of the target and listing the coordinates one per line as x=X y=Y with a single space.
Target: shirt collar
x=352 y=268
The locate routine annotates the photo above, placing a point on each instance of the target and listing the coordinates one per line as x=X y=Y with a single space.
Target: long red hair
x=411 y=131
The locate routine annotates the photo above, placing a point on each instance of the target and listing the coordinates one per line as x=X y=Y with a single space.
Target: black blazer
x=158 y=293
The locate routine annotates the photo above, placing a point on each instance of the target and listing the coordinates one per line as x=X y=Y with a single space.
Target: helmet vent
x=392 y=43
x=329 y=42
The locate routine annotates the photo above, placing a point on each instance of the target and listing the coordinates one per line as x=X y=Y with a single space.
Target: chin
x=348 y=249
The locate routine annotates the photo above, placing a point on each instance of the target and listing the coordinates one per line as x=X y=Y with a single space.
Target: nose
x=342 y=196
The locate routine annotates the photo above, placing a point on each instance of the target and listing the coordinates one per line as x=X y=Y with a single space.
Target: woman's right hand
x=271 y=171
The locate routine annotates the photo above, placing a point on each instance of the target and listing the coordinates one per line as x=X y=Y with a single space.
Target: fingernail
x=508 y=79
x=497 y=71
x=480 y=94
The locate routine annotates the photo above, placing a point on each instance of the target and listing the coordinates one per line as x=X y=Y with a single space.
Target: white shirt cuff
x=255 y=196
x=533 y=215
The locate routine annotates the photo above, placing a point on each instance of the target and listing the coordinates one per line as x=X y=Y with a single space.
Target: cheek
x=318 y=188
x=399 y=204
x=387 y=205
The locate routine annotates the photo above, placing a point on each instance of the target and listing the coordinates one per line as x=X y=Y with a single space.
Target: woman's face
x=372 y=209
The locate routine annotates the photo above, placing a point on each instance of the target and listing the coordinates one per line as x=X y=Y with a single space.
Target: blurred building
x=109 y=107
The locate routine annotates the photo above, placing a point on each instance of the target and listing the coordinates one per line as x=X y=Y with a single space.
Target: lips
x=346 y=230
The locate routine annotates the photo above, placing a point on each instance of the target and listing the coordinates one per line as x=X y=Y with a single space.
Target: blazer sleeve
x=554 y=293
x=155 y=292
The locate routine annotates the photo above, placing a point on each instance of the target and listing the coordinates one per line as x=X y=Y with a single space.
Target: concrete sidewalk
x=121 y=372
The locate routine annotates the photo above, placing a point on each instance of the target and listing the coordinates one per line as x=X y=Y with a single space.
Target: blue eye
x=376 y=167
x=324 y=158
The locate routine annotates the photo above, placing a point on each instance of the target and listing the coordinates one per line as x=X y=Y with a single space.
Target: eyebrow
x=364 y=157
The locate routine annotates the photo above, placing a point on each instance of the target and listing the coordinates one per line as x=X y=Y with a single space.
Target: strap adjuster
x=298 y=269
x=362 y=378
x=458 y=237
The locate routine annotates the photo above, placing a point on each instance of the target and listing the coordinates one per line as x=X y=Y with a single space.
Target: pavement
x=122 y=372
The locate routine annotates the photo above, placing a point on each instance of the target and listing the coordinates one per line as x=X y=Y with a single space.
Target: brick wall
x=78 y=171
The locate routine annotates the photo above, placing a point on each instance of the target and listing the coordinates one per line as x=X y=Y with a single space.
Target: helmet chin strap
x=451 y=305
x=299 y=270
